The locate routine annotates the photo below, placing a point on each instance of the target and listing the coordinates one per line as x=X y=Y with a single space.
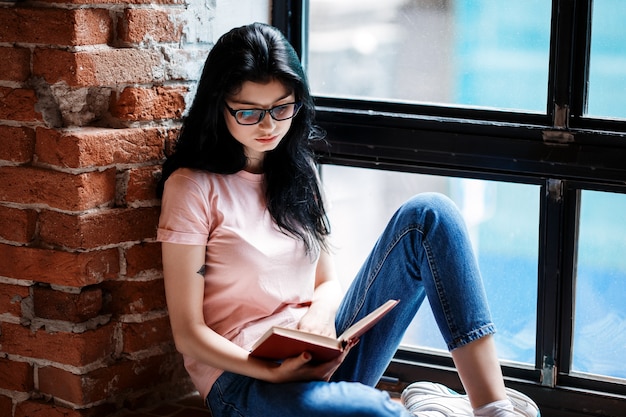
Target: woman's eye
x=248 y=114
x=281 y=110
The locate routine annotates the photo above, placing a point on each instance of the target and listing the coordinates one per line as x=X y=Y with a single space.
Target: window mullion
x=571 y=202
x=580 y=59
x=569 y=60
x=549 y=282
x=291 y=17
x=561 y=55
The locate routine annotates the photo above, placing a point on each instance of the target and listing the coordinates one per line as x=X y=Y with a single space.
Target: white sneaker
x=522 y=404
x=430 y=396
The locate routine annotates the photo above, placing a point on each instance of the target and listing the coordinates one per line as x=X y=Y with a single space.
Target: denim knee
x=430 y=207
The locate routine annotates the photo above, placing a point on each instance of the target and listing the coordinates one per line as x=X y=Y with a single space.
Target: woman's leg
x=240 y=396
x=480 y=372
x=424 y=252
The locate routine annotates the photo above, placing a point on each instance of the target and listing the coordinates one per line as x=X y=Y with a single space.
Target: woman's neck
x=254 y=165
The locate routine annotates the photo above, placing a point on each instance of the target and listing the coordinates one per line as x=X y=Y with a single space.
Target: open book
x=280 y=343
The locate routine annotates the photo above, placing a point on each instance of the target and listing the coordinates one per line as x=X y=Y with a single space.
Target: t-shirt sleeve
x=185 y=213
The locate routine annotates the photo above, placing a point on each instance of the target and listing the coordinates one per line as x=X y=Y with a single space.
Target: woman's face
x=266 y=135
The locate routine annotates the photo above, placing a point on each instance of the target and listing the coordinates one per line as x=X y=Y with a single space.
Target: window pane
x=607 y=79
x=503 y=222
x=479 y=53
x=600 y=316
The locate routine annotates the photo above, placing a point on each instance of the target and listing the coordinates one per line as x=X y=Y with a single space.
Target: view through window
x=607 y=78
x=478 y=54
x=502 y=220
x=600 y=314
x=468 y=53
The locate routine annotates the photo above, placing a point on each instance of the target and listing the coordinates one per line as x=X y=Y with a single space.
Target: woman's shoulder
x=197 y=176
x=185 y=180
x=191 y=173
x=211 y=180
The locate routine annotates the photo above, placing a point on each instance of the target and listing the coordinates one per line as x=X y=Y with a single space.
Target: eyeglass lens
x=254 y=116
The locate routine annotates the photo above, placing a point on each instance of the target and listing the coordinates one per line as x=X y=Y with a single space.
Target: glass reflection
x=600 y=315
x=478 y=53
x=502 y=219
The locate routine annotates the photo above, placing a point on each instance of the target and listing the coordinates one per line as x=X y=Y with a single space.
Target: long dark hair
x=257 y=53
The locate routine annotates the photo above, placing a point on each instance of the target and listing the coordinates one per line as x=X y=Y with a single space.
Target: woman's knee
x=432 y=211
x=430 y=203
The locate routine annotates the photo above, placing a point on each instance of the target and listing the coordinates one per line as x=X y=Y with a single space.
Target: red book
x=280 y=342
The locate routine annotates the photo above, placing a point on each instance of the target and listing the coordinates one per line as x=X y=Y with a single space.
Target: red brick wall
x=91 y=94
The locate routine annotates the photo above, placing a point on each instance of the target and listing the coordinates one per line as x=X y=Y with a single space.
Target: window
x=521 y=104
x=430 y=51
x=600 y=313
x=502 y=220
x=607 y=84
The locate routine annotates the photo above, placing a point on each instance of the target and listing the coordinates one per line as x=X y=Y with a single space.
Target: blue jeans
x=424 y=252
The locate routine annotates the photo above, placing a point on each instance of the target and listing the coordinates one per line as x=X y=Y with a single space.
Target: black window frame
x=563 y=151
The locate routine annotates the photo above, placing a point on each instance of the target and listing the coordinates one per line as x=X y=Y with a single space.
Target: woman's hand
x=319 y=321
x=301 y=368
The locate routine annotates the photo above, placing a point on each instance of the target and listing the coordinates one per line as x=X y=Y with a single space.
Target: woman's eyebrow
x=250 y=103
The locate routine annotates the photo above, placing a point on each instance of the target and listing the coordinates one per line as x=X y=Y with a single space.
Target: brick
x=142 y=184
x=91 y=26
x=57 y=267
x=16 y=376
x=61 y=190
x=100 y=228
x=17 y=225
x=11 y=297
x=15 y=64
x=75 y=349
x=42 y=408
x=134 y=297
x=139 y=25
x=56 y=65
x=110 y=381
x=17 y=144
x=76 y=389
x=53 y=26
x=88 y=146
x=59 y=305
x=18 y=104
x=148 y=104
x=6 y=406
x=146 y=335
x=143 y=257
x=106 y=67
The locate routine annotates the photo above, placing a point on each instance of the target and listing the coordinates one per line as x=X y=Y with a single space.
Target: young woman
x=246 y=246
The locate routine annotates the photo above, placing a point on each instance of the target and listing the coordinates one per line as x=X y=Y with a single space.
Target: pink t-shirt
x=256 y=276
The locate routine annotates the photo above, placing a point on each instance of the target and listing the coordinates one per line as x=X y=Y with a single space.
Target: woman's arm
x=328 y=294
x=184 y=290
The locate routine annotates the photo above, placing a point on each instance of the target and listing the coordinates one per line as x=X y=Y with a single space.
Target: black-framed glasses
x=249 y=117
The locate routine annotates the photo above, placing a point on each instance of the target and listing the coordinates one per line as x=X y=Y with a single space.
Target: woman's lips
x=267 y=139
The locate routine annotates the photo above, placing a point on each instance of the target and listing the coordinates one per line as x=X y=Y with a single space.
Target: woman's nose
x=268 y=122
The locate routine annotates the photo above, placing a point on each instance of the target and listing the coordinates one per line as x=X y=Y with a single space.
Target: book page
x=368 y=321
